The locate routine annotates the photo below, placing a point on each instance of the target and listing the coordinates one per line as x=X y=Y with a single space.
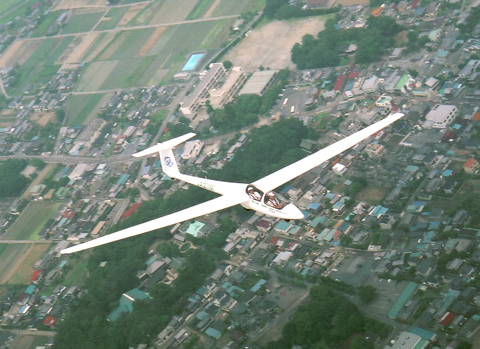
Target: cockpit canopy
x=269 y=198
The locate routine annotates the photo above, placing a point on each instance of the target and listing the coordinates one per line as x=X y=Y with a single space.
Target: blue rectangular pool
x=193 y=61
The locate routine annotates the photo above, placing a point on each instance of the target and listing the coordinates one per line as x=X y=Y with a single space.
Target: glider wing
x=165 y=221
x=294 y=170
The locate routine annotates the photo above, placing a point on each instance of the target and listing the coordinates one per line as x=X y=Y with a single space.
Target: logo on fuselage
x=168 y=161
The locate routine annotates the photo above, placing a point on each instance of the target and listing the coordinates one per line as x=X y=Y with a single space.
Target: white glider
x=258 y=195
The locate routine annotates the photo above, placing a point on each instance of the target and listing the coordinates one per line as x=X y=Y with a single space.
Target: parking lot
x=357 y=270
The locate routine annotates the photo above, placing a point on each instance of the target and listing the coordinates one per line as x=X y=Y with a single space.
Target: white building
x=370 y=85
x=78 y=171
x=259 y=82
x=407 y=340
x=357 y=86
x=235 y=80
x=469 y=68
x=192 y=149
x=440 y=116
x=211 y=79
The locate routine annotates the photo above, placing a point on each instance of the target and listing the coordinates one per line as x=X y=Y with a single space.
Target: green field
x=46 y=22
x=186 y=38
x=6 y=5
x=30 y=342
x=200 y=8
x=125 y=2
x=9 y=5
x=164 y=11
x=131 y=43
x=16 y=262
x=80 y=107
x=3 y=247
x=120 y=65
x=111 y=19
x=40 y=67
x=80 y=23
x=79 y=272
x=31 y=221
x=236 y=7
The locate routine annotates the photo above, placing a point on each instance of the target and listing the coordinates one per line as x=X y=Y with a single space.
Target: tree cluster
x=12 y=182
x=269 y=149
x=473 y=19
x=324 y=51
x=327 y=317
x=415 y=42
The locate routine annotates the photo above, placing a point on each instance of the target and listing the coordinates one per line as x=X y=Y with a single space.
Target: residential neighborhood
x=398 y=212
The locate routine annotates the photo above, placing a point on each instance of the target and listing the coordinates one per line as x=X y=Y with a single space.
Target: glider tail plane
x=167 y=159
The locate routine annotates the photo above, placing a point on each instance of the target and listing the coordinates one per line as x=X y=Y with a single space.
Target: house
x=471 y=165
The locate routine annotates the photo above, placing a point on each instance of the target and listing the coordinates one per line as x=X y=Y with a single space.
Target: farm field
x=201 y=8
x=30 y=342
x=95 y=75
x=9 y=5
x=46 y=22
x=3 y=247
x=82 y=21
x=111 y=18
x=42 y=63
x=19 y=52
x=7 y=118
x=16 y=262
x=31 y=221
x=234 y=7
x=164 y=11
x=69 y=4
x=6 y=5
x=92 y=50
x=81 y=108
x=142 y=57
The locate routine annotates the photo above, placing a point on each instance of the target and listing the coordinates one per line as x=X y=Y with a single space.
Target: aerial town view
x=277 y=174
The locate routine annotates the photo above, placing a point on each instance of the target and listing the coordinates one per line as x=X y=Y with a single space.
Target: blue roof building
x=30 y=289
x=213 y=333
x=259 y=284
x=126 y=303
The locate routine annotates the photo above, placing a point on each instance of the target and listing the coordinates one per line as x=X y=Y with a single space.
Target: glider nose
x=293 y=212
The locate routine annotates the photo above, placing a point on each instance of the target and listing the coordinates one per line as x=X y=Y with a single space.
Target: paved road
x=2 y=88
x=144 y=26
x=108 y=6
x=33 y=333
x=42 y=241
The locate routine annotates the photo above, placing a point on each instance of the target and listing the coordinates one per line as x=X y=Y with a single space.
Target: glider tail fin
x=167 y=159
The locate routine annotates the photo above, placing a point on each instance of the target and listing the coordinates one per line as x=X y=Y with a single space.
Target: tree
x=367 y=293
x=326 y=317
x=12 y=182
x=360 y=342
x=413 y=73
x=227 y=64
x=38 y=163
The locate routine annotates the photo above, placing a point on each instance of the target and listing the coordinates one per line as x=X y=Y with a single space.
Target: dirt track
x=270 y=45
